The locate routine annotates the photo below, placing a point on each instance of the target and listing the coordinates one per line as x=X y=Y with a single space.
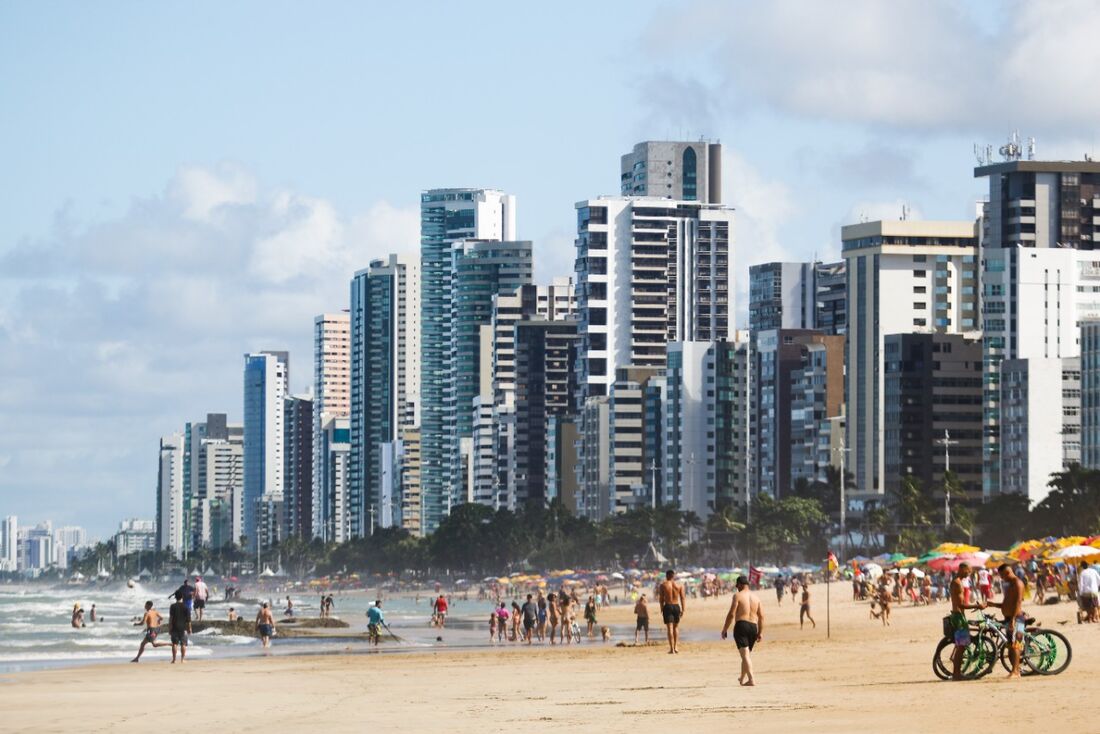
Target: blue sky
x=183 y=183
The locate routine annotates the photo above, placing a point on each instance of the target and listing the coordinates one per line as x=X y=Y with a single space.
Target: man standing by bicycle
x=958 y=619
x=1011 y=607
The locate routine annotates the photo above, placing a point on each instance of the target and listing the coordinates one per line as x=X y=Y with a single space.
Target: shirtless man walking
x=670 y=595
x=747 y=619
x=265 y=625
x=1012 y=609
x=151 y=620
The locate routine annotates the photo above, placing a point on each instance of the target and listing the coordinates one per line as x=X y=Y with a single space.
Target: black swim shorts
x=178 y=638
x=643 y=624
x=200 y=603
x=745 y=634
x=671 y=613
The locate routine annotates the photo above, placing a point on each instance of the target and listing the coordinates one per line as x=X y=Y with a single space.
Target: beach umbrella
x=873 y=570
x=503 y=580
x=882 y=558
x=1076 y=553
x=633 y=572
x=930 y=556
x=618 y=576
x=917 y=572
x=955 y=548
x=859 y=559
x=906 y=562
x=768 y=569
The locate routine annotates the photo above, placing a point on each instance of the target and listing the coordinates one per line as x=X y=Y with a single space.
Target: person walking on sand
x=553 y=613
x=375 y=620
x=540 y=628
x=151 y=620
x=641 y=612
x=671 y=597
x=1088 y=591
x=265 y=625
x=747 y=619
x=179 y=627
x=804 y=610
x=779 y=586
x=1011 y=607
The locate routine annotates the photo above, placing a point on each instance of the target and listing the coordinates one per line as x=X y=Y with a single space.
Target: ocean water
x=35 y=630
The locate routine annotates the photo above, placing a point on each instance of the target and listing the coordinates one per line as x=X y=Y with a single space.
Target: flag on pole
x=755 y=576
x=833 y=563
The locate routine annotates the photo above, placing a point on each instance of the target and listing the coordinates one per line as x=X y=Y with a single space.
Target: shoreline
x=866 y=672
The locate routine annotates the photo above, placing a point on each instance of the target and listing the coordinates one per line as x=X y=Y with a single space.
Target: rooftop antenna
x=1031 y=149
x=904 y=212
x=1011 y=151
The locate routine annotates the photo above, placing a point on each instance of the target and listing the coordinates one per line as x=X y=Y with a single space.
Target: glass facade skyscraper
x=446 y=216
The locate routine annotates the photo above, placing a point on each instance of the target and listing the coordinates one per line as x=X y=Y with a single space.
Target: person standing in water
x=202 y=594
x=747 y=619
x=151 y=620
x=265 y=625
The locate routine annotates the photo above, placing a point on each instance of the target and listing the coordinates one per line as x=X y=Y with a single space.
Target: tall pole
x=653 y=484
x=843 y=501
x=372 y=520
x=947 y=443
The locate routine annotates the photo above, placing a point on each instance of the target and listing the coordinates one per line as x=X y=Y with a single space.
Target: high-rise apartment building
x=545 y=352
x=135 y=536
x=934 y=393
x=446 y=216
x=334 y=469
x=171 y=529
x=777 y=355
x=554 y=302
x=684 y=171
x=1090 y=394
x=649 y=271
x=9 y=544
x=481 y=271
x=1041 y=280
x=266 y=379
x=786 y=295
x=903 y=276
x=331 y=392
x=385 y=375
x=631 y=476
x=1040 y=412
x=817 y=412
x=298 y=466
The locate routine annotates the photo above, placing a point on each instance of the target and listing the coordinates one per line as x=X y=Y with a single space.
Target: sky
x=184 y=183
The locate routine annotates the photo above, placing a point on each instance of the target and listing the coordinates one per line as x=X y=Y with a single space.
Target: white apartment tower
x=331 y=392
x=1041 y=282
x=904 y=276
x=170 y=517
x=648 y=271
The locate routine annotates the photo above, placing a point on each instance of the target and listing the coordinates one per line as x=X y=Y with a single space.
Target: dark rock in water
x=284 y=627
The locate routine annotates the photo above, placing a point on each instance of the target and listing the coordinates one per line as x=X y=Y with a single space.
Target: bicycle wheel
x=941 y=659
x=1029 y=658
x=1054 y=652
x=986 y=655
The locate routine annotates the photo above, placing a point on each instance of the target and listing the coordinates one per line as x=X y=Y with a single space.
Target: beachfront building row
x=35 y=549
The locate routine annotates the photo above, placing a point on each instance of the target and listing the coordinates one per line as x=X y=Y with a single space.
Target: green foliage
x=782 y=528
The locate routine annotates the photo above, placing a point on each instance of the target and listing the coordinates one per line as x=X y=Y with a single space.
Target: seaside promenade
x=866 y=676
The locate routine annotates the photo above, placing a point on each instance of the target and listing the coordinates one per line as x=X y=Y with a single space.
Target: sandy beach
x=866 y=677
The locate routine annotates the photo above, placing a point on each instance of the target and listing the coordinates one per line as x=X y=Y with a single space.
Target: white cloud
x=915 y=64
x=115 y=333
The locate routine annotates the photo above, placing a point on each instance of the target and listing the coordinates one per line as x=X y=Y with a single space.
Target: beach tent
x=267 y=573
x=145 y=574
x=77 y=576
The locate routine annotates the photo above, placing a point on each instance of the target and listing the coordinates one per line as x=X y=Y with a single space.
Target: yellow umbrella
x=955 y=548
x=906 y=561
x=504 y=580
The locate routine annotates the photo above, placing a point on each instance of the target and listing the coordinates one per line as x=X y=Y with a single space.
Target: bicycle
x=1040 y=652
